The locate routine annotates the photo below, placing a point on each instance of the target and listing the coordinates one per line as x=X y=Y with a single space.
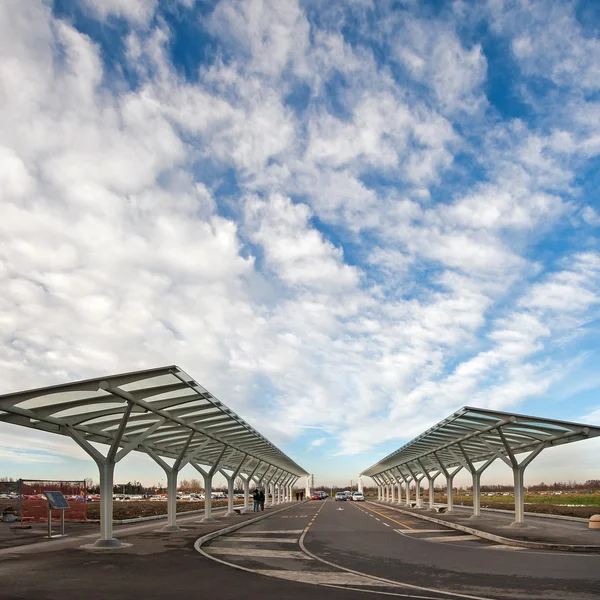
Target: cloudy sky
x=345 y=219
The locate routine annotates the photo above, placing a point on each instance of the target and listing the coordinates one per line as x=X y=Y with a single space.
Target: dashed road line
x=390 y=519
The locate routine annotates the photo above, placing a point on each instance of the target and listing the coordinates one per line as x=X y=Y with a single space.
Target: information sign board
x=57 y=500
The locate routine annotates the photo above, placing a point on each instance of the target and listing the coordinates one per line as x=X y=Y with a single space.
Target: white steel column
x=431 y=479
x=230 y=485
x=307 y=489
x=376 y=480
x=172 y=473
x=397 y=476
x=407 y=481
x=360 y=484
x=476 y=475
x=417 y=481
x=106 y=469
x=392 y=480
x=275 y=479
x=279 y=490
x=269 y=488
x=246 y=481
x=449 y=475
x=518 y=470
x=208 y=477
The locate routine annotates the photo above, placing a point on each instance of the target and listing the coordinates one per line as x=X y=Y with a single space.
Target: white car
x=358 y=497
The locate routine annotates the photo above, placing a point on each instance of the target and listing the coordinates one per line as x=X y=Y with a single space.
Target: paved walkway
x=20 y=541
x=538 y=529
x=156 y=565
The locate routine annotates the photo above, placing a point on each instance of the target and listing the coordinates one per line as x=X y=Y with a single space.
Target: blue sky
x=345 y=219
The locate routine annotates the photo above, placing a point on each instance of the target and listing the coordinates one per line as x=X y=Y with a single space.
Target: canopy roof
x=170 y=415
x=479 y=435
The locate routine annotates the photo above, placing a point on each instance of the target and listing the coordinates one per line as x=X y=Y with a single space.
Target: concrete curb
x=219 y=532
x=589 y=549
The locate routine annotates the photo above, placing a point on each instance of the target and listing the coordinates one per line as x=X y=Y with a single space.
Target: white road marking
x=386 y=524
x=277 y=531
x=377 y=519
x=324 y=577
x=255 y=552
x=504 y=547
x=264 y=540
x=451 y=538
x=425 y=531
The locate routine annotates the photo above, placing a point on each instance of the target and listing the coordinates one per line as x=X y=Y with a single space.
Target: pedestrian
x=261 y=499
x=297 y=496
x=256 y=498
x=301 y=496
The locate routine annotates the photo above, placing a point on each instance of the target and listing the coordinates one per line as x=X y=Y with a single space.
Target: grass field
x=571 y=505
x=563 y=499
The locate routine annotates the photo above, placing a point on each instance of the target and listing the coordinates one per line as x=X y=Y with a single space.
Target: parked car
x=316 y=496
x=340 y=496
x=324 y=495
x=358 y=497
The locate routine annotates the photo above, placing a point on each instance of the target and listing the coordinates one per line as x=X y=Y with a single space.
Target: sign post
x=56 y=501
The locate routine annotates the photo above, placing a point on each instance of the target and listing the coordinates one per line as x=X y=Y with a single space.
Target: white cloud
x=137 y=11
x=296 y=252
x=434 y=56
x=316 y=443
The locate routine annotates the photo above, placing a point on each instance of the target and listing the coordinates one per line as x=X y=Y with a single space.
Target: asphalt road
x=349 y=544
x=342 y=550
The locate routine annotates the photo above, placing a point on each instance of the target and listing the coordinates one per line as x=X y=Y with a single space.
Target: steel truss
x=471 y=439
x=165 y=414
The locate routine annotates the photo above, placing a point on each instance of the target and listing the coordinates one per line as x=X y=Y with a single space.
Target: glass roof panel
x=180 y=418
x=150 y=382
x=90 y=408
x=60 y=398
x=179 y=393
x=522 y=433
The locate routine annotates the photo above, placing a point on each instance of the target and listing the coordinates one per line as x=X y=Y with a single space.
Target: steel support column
x=208 y=477
x=476 y=475
x=417 y=481
x=106 y=470
x=230 y=485
x=449 y=475
x=518 y=470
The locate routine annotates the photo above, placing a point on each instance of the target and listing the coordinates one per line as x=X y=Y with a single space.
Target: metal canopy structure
x=473 y=438
x=164 y=413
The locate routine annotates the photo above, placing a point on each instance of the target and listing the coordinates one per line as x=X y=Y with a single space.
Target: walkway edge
x=590 y=549
x=219 y=532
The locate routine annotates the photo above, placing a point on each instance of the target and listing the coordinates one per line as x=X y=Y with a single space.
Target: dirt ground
x=137 y=508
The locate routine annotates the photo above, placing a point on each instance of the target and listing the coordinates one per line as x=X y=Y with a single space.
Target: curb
x=589 y=549
x=219 y=532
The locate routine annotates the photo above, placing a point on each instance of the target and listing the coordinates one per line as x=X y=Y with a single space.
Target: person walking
x=301 y=495
x=297 y=496
x=256 y=498
x=261 y=499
